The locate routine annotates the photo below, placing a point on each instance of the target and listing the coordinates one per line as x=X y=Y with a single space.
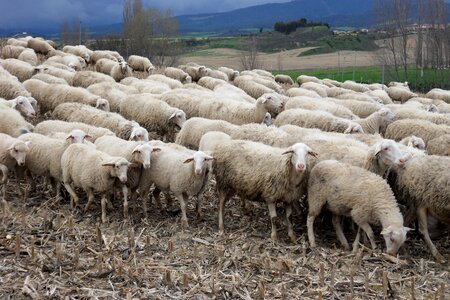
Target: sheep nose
x=123 y=179
x=32 y=114
x=146 y=166
x=300 y=167
x=21 y=163
x=198 y=171
x=401 y=162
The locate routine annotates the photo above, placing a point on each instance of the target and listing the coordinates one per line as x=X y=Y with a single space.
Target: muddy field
x=49 y=251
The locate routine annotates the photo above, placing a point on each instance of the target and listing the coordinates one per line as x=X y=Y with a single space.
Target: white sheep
x=21 y=104
x=414 y=142
x=99 y=54
x=351 y=85
x=52 y=126
x=254 y=89
x=49 y=78
x=284 y=79
x=173 y=83
x=320 y=104
x=121 y=71
x=12 y=123
x=294 y=92
x=22 y=70
x=210 y=82
x=140 y=63
x=217 y=74
x=426 y=130
x=378 y=121
x=359 y=108
x=17 y=42
x=60 y=73
x=400 y=93
x=39 y=46
x=11 y=51
x=105 y=65
x=410 y=112
x=319 y=88
x=29 y=56
x=305 y=78
x=72 y=61
x=232 y=74
x=115 y=92
x=439 y=94
x=177 y=74
x=86 y=78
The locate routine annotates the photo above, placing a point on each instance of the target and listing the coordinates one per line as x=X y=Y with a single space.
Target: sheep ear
x=88 y=136
x=110 y=164
x=386 y=231
x=188 y=160
x=377 y=148
x=407 y=229
x=208 y=158
x=312 y=153
x=288 y=151
x=156 y=149
x=173 y=115
x=69 y=137
x=136 y=150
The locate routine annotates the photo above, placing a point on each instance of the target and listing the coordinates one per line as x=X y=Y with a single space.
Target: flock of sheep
x=358 y=150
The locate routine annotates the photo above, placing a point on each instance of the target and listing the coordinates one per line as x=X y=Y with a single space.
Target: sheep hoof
x=439 y=257
x=293 y=238
x=184 y=224
x=221 y=232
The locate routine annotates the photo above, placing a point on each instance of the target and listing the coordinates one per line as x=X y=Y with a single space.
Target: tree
x=249 y=58
x=72 y=34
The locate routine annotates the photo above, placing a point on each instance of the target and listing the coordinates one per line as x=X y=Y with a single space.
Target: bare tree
x=249 y=58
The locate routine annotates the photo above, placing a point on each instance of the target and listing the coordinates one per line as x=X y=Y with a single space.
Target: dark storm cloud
x=25 y=13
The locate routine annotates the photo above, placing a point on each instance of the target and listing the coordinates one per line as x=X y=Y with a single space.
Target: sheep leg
x=223 y=197
x=336 y=220
x=104 y=202
x=423 y=229
x=182 y=199
x=143 y=191
x=198 y=207
x=90 y=200
x=73 y=196
x=125 y=201
x=156 y=193
x=310 y=226
x=410 y=216
x=31 y=181
x=273 y=216
x=368 y=230
x=357 y=238
x=290 y=228
x=4 y=181
x=169 y=200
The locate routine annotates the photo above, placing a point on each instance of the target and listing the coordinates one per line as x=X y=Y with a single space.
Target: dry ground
x=49 y=251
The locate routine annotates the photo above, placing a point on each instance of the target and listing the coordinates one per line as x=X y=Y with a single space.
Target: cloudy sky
x=26 y=13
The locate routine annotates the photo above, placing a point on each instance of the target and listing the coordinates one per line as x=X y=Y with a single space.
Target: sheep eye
x=15 y=150
x=386 y=148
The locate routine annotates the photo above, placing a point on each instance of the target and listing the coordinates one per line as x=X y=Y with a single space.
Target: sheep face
x=77 y=136
x=200 y=160
x=23 y=105
x=123 y=66
x=188 y=79
x=299 y=153
x=431 y=108
x=394 y=236
x=267 y=119
x=178 y=118
x=151 y=69
x=354 y=128
x=142 y=154
x=102 y=104
x=416 y=142
x=387 y=115
x=86 y=58
x=390 y=154
x=271 y=100
x=118 y=168
x=19 y=150
x=139 y=134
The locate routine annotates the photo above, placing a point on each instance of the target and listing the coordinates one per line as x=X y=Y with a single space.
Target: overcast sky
x=26 y=13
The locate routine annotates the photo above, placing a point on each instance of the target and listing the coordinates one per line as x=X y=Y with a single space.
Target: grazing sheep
x=194 y=128
x=49 y=96
x=414 y=142
x=76 y=112
x=359 y=194
x=254 y=89
x=16 y=42
x=79 y=50
x=60 y=73
x=271 y=136
x=284 y=79
x=29 y=56
x=105 y=65
x=320 y=104
x=400 y=93
x=210 y=82
x=440 y=94
x=75 y=62
x=196 y=72
x=351 y=85
x=146 y=86
x=359 y=108
x=264 y=80
x=294 y=92
x=120 y=71
x=10 y=51
x=100 y=54
x=331 y=83
x=153 y=114
x=423 y=185
x=380 y=94
x=263 y=73
x=140 y=63
x=316 y=87
x=22 y=70
x=12 y=152
x=173 y=83
x=44 y=156
x=217 y=74
x=11 y=88
x=12 y=123
x=21 y=104
x=377 y=122
x=93 y=171
x=408 y=112
x=227 y=90
x=86 y=78
x=280 y=176
x=426 y=130
x=361 y=97
x=113 y=91
x=47 y=78
x=177 y=74
x=317 y=119
x=232 y=74
x=305 y=78
x=439 y=145
x=51 y=126
x=39 y=46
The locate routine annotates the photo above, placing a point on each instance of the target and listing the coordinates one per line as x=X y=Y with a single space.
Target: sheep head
x=200 y=160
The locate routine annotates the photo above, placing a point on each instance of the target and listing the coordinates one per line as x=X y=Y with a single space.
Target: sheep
x=351 y=85
x=316 y=87
x=86 y=78
x=79 y=50
x=331 y=83
x=59 y=66
x=280 y=175
x=408 y=112
x=47 y=78
x=361 y=97
x=10 y=51
x=271 y=136
x=140 y=63
x=359 y=108
x=173 y=83
x=263 y=73
x=111 y=91
x=196 y=72
x=29 y=56
x=217 y=74
x=11 y=88
x=13 y=153
x=266 y=81
x=60 y=73
x=22 y=70
x=317 y=119
x=44 y=157
x=194 y=128
x=359 y=194
x=39 y=46
x=230 y=91
x=420 y=128
x=400 y=94
x=153 y=114
x=414 y=142
x=377 y=122
x=284 y=79
x=305 y=78
x=439 y=94
x=210 y=82
x=12 y=123
x=320 y=104
x=294 y=92
x=147 y=86
x=21 y=104
x=76 y=112
x=16 y=42
x=180 y=171
x=439 y=145
x=177 y=74
x=232 y=74
x=442 y=107
x=380 y=94
x=120 y=71
x=101 y=54
x=51 y=126
x=105 y=65
x=72 y=61
x=336 y=91
x=424 y=185
x=137 y=153
x=254 y=89
x=51 y=95
x=93 y=171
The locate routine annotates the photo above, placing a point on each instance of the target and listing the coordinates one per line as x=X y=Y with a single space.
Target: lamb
x=86 y=78
x=120 y=71
x=22 y=70
x=16 y=42
x=294 y=92
x=12 y=123
x=232 y=74
x=252 y=88
x=280 y=175
x=140 y=63
x=439 y=94
x=194 y=128
x=284 y=79
x=47 y=78
x=210 y=82
x=100 y=54
x=153 y=114
x=426 y=130
x=173 y=83
x=10 y=51
x=105 y=65
x=180 y=171
x=51 y=126
x=13 y=153
x=21 y=104
x=29 y=56
x=317 y=119
x=76 y=112
x=39 y=46
x=44 y=156
x=351 y=85
x=369 y=201
x=320 y=104
x=408 y=112
x=305 y=78
x=49 y=96
x=378 y=121
x=93 y=171
x=424 y=185
x=316 y=87
x=359 y=108
x=138 y=153
x=400 y=94
x=414 y=142
x=217 y=74
x=177 y=74
x=439 y=145
x=60 y=73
